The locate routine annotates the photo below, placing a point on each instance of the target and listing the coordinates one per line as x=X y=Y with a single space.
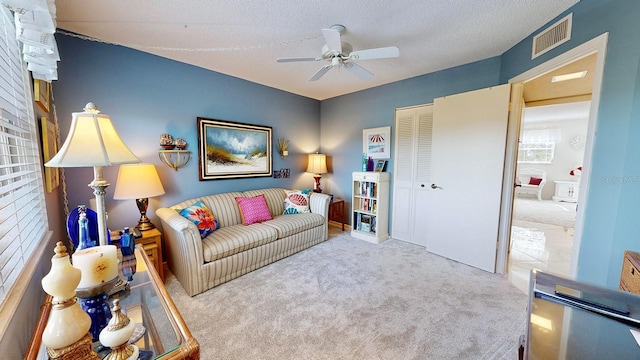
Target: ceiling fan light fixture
x=340 y=53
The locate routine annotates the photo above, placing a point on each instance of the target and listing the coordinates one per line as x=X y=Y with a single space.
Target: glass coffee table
x=160 y=330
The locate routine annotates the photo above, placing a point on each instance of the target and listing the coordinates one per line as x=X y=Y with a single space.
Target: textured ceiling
x=244 y=38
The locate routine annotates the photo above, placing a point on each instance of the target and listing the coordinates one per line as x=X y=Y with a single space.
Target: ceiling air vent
x=552 y=37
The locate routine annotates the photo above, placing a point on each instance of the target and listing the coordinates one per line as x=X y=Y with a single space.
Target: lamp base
x=80 y=350
x=99 y=312
x=144 y=223
x=316 y=186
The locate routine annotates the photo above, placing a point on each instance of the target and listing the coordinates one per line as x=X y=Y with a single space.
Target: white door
x=412 y=169
x=468 y=152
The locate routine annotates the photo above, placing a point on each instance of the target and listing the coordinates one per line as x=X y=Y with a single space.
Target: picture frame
x=42 y=94
x=376 y=142
x=228 y=150
x=49 y=150
x=380 y=165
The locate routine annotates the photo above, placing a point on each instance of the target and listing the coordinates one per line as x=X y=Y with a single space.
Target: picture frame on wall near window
x=42 y=94
x=233 y=150
x=376 y=142
x=49 y=150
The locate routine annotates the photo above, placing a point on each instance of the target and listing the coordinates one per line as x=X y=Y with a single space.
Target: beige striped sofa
x=235 y=249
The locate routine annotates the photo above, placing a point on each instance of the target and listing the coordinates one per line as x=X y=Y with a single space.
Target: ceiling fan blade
x=294 y=59
x=358 y=70
x=332 y=38
x=323 y=70
x=379 y=53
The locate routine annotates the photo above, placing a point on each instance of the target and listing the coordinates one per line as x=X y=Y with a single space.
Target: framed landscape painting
x=233 y=150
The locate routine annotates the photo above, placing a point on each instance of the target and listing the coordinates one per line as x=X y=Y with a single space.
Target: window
x=537 y=146
x=23 y=220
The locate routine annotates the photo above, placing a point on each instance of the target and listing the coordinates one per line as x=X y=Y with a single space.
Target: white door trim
x=596 y=45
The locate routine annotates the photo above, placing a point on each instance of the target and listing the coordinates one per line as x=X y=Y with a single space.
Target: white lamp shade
x=92 y=141
x=137 y=181
x=317 y=164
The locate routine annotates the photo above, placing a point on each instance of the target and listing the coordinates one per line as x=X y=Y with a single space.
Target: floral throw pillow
x=201 y=217
x=297 y=202
x=253 y=209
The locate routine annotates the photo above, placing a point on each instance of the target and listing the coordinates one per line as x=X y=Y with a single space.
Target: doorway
x=554 y=94
x=543 y=220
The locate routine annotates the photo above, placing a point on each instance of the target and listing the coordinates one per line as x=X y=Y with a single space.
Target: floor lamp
x=93 y=142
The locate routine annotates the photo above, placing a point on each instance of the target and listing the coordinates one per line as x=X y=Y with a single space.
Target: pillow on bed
x=201 y=217
x=297 y=202
x=253 y=209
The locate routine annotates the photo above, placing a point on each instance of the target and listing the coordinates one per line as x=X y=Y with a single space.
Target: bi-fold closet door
x=412 y=170
x=448 y=175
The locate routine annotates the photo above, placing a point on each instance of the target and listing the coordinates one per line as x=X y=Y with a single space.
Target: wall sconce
x=282 y=148
x=174 y=159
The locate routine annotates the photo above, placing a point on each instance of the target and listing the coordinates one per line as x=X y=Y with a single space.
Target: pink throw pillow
x=253 y=209
x=535 y=181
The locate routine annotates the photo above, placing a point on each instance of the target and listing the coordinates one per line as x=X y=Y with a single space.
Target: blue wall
x=146 y=95
x=611 y=223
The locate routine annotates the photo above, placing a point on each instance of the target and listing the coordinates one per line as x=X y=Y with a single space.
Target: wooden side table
x=336 y=211
x=151 y=242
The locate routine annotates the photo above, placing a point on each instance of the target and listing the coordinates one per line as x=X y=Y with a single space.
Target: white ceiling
x=243 y=38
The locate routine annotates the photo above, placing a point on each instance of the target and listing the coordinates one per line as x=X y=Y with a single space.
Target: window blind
x=23 y=220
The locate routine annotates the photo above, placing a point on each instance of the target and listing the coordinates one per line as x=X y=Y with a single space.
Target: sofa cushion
x=296 y=202
x=295 y=223
x=202 y=218
x=231 y=240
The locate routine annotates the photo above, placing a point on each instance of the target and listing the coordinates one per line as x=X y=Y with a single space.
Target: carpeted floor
x=349 y=299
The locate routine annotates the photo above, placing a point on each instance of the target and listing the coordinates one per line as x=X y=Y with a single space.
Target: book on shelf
x=368 y=189
x=365 y=223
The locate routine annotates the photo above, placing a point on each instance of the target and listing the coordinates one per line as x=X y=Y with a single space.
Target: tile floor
x=541 y=246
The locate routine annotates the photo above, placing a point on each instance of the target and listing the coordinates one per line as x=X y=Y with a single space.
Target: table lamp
x=93 y=142
x=317 y=166
x=140 y=182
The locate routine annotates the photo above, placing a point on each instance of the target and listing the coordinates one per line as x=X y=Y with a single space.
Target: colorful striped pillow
x=253 y=209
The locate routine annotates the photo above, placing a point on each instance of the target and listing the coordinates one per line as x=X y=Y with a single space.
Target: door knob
x=422 y=185
x=434 y=186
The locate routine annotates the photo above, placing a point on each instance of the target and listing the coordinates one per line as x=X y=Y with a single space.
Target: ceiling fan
x=340 y=54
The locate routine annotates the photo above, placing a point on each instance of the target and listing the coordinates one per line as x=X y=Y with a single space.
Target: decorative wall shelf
x=174 y=159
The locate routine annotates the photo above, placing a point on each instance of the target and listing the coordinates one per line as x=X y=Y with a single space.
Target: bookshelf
x=370 y=201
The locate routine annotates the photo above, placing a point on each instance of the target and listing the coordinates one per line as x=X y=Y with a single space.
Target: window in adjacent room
x=537 y=146
x=23 y=220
